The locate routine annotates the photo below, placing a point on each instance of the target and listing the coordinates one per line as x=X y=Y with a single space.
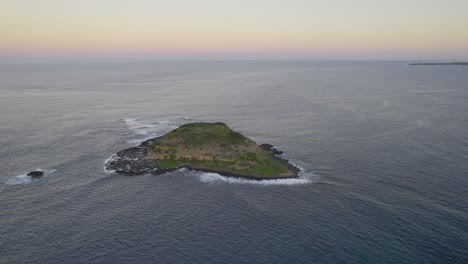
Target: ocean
x=383 y=148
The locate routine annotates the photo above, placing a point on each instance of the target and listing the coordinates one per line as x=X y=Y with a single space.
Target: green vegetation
x=199 y=134
x=214 y=146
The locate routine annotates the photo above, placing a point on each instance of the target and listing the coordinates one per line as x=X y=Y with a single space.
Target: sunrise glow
x=329 y=29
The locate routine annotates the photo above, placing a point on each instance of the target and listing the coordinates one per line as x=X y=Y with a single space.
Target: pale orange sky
x=431 y=29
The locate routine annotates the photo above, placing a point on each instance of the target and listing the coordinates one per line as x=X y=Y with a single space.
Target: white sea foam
x=110 y=159
x=140 y=130
x=304 y=178
x=25 y=179
x=19 y=179
x=207 y=177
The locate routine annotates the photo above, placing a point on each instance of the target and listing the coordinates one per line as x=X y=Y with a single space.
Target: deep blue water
x=384 y=148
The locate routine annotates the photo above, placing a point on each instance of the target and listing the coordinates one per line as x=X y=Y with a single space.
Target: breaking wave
x=140 y=129
x=216 y=178
x=209 y=177
x=107 y=161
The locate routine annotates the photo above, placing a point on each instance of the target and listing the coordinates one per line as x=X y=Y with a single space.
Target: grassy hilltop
x=215 y=147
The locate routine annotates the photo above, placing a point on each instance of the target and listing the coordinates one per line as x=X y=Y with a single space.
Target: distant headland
x=455 y=63
x=208 y=147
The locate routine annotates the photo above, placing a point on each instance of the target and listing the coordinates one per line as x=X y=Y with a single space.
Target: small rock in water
x=36 y=174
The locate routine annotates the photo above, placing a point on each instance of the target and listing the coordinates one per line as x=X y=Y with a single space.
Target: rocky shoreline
x=134 y=161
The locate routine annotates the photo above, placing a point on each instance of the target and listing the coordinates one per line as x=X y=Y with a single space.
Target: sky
x=234 y=29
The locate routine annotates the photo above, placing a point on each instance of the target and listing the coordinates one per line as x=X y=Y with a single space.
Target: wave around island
x=216 y=178
x=208 y=177
x=107 y=161
x=213 y=178
x=140 y=130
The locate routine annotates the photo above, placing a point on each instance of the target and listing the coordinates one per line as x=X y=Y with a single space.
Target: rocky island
x=208 y=147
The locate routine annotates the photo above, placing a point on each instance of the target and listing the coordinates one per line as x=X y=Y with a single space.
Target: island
x=455 y=63
x=207 y=147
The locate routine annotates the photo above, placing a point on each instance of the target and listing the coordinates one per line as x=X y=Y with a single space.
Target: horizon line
x=137 y=60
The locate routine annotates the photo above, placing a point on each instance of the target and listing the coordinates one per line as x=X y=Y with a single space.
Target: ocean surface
x=383 y=147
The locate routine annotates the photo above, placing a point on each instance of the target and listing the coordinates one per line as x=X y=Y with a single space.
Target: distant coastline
x=455 y=63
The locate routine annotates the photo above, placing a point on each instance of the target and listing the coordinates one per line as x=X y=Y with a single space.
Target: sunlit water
x=383 y=148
